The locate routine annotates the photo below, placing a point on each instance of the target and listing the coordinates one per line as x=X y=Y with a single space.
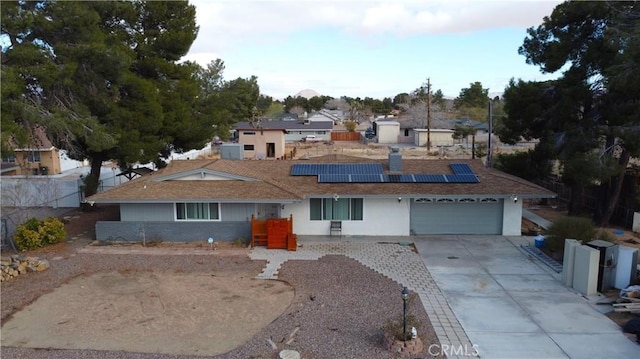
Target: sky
x=367 y=48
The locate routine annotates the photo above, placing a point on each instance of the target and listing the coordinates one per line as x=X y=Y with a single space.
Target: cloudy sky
x=369 y=48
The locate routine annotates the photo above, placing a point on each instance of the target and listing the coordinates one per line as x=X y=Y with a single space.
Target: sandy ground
x=150 y=312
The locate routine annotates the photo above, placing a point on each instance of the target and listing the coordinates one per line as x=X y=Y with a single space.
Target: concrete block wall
x=172 y=231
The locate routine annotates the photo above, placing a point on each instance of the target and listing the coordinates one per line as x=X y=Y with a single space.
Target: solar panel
x=461 y=169
x=393 y=178
x=373 y=173
x=333 y=178
x=430 y=178
x=367 y=178
x=313 y=169
x=364 y=168
x=462 y=178
x=399 y=178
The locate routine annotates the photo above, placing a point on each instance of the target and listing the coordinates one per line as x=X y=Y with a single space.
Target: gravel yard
x=338 y=309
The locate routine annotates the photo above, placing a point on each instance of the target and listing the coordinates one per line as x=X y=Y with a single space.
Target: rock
x=19 y=264
x=44 y=265
x=289 y=354
x=22 y=267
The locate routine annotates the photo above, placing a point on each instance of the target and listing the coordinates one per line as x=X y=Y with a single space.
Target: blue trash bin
x=539 y=241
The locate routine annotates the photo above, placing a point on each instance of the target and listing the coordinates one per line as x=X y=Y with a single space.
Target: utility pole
x=490 y=121
x=428 y=114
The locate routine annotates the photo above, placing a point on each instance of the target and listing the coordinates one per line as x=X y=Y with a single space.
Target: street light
x=405 y=296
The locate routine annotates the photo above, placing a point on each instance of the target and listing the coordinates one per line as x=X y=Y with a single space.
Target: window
x=406 y=132
x=343 y=209
x=33 y=156
x=488 y=200
x=248 y=147
x=11 y=159
x=466 y=200
x=197 y=211
x=248 y=133
x=423 y=200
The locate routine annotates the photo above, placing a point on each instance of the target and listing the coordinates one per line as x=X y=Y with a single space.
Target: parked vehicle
x=369 y=133
x=312 y=138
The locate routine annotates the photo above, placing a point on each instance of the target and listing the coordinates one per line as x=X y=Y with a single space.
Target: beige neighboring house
x=261 y=142
x=40 y=158
x=437 y=137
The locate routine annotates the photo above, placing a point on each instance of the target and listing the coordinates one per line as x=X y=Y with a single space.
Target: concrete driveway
x=511 y=306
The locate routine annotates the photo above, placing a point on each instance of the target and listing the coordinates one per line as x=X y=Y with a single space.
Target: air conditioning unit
x=607 y=263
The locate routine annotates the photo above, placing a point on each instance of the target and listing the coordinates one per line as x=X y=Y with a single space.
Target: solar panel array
x=314 y=169
x=461 y=169
x=373 y=173
x=342 y=178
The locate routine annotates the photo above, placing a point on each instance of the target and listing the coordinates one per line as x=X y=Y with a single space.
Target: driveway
x=511 y=306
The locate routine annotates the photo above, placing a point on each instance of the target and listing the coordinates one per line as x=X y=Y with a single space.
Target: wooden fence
x=275 y=233
x=345 y=136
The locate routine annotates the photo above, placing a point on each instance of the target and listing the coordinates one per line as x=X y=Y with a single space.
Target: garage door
x=456 y=218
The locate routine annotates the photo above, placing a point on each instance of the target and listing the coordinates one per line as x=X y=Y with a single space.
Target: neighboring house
x=262 y=141
x=481 y=128
x=437 y=136
x=335 y=116
x=197 y=199
x=40 y=158
x=287 y=117
x=294 y=131
x=415 y=132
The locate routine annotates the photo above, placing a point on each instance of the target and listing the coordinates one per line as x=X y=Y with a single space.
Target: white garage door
x=456 y=218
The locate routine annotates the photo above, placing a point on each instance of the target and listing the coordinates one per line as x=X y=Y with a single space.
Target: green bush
x=581 y=229
x=36 y=234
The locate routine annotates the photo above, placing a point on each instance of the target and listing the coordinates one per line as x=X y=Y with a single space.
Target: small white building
x=387 y=131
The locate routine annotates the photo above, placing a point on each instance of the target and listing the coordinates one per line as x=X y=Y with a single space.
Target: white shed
x=388 y=131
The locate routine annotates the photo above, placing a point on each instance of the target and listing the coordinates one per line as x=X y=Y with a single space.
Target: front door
x=271 y=149
x=267 y=210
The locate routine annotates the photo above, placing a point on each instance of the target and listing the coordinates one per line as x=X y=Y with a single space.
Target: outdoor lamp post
x=405 y=295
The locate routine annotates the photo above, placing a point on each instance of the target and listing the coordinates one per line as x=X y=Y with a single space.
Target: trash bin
x=539 y=241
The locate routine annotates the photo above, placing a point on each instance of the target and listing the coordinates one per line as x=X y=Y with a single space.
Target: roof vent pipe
x=395 y=160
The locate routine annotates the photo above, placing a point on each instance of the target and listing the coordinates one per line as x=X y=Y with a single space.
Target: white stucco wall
x=512 y=218
x=388 y=131
x=438 y=137
x=381 y=217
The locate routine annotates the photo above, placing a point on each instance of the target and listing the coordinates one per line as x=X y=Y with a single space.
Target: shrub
x=578 y=228
x=52 y=230
x=395 y=327
x=242 y=242
x=36 y=234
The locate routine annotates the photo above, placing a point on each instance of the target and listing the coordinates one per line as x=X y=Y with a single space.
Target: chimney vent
x=395 y=160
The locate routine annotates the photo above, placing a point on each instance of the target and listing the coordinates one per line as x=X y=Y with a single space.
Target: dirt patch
x=184 y=314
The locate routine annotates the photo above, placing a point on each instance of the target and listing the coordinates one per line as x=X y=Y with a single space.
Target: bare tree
x=416 y=112
x=298 y=110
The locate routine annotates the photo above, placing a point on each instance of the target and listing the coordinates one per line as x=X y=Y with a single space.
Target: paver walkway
x=393 y=260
